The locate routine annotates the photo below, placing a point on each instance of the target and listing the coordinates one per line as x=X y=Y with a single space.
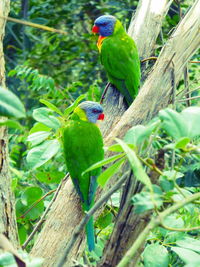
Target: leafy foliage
x=59 y=71
x=10 y=105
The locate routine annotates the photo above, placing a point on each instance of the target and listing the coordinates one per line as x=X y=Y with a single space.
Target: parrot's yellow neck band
x=81 y=113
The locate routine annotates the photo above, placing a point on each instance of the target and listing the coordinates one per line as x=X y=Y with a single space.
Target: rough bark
x=146 y=24
x=52 y=239
x=7 y=211
x=155 y=94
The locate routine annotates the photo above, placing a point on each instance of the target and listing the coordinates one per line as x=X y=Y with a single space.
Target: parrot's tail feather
x=90 y=234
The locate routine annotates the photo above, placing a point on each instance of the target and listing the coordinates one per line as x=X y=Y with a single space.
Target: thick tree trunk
x=7 y=211
x=66 y=212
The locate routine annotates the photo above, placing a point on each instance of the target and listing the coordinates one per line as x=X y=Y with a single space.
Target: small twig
x=191 y=91
x=149 y=58
x=186 y=84
x=193 y=61
x=155 y=58
x=35 y=204
x=35 y=25
x=151 y=167
x=173 y=83
x=44 y=214
x=155 y=221
x=83 y=222
x=104 y=92
x=180 y=229
x=190 y=98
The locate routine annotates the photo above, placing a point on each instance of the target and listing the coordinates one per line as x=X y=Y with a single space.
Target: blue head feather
x=92 y=110
x=106 y=24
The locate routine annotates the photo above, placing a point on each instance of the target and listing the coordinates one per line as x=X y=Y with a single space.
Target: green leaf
x=74 y=105
x=184 y=124
x=104 y=219
x=137 y=134
x=50 y=177
x=44 y=115
x=40 y=154
x=189 y=243
x=173 y=221
x=172 y=236
x=109 y=172
x=143 y=201
x=10 y=105
x=182 y=143
x=115 y=148
x=155 y=255
x=38 y=126
x=7 y=260
x=28 y=198
x=167 y=185
x=172 y=175
x=51 y=106
x=12 y=124
x=135 y=164
x=103 y=162
x=188 y=256
x=33 y=214
x=38 y=137
x=30 y=195
x=191 y=116
x=173 y=123
x=22 y=232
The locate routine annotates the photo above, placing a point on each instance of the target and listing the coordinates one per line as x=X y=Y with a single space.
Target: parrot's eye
x=104 y=24
x=95 y=110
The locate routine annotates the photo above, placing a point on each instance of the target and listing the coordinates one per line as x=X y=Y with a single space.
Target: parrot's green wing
x=83 y=146
x=120 y=58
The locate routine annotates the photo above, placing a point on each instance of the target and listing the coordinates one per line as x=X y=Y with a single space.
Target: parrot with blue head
x=83 y=146
x=119 y=56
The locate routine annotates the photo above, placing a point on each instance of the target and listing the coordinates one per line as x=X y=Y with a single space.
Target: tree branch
x=84 y=221
x=36 y=228
x=152 y=224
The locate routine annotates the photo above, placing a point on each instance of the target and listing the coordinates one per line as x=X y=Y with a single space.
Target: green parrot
x=119 y=56
x=83 y=146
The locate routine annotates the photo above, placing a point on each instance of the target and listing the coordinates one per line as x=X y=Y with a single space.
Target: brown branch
x=37 y=226
x=191 y=91
x=34 y=25
x=180 y=229
x=155 y=58
x=189 y=98
x=35 y=203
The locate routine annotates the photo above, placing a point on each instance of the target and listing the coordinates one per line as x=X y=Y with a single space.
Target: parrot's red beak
x=101 y=117
x=95 y=29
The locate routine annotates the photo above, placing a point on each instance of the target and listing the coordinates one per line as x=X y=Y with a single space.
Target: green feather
x=83 y=146
x=120 y=58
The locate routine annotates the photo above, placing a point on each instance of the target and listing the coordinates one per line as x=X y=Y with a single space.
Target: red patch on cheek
x=95 y=29
x=101 y=117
